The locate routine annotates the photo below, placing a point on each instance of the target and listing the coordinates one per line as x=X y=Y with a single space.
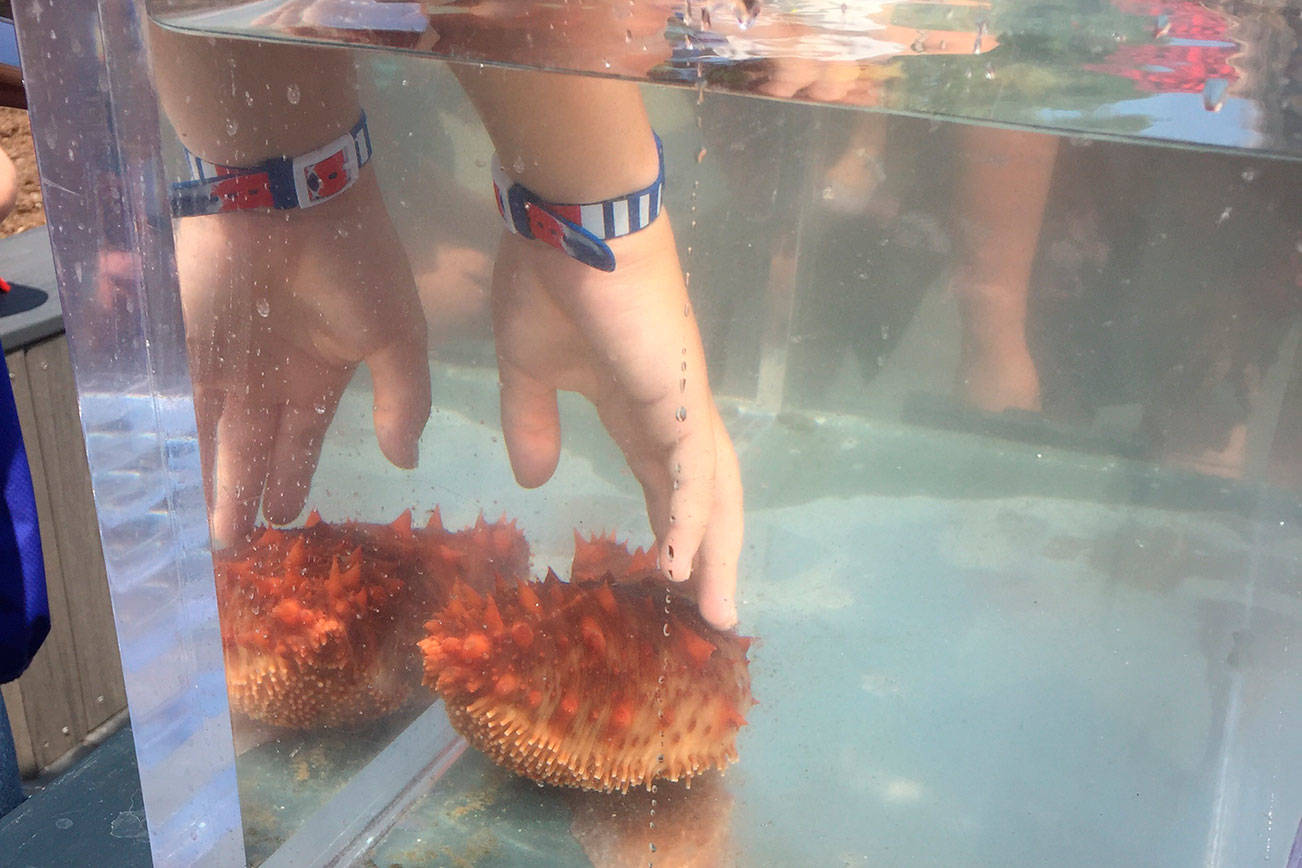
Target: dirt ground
x=16 y=140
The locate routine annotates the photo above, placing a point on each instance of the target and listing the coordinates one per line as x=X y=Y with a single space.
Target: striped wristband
x=580 y=231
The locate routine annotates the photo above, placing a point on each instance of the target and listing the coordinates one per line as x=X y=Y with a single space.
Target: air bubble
x=264 y=307
x=232 y=127
x=319 y=408
x=666 y=629
x=1249 y=175
x=293 y=94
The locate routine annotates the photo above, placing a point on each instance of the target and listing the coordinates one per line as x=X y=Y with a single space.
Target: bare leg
x=1001 y=197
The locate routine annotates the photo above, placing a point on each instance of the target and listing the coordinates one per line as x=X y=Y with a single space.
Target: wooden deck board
x=51 y=691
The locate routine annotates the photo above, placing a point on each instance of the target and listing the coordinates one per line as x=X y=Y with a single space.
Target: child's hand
x=628 y=342
x=280 y=307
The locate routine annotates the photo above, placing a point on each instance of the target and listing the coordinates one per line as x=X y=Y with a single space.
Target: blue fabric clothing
x=24 y=610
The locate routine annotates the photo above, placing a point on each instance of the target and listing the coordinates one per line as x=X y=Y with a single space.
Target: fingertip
x=676 y=559
x=282 y=503
x=399 y=424
x=720 y=614
x=402 y=450
x=531 y=429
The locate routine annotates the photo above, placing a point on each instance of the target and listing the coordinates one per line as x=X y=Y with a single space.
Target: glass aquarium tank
x=995 y=303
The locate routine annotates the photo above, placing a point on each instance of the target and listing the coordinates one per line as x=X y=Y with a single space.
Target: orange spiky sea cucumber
x=319 y=623
x=599 y=683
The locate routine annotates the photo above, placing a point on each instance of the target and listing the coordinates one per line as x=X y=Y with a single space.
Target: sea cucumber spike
x=469 y=596
x=288 y=612
x=402 y=524
x=313 y=519
x=556 y=594
x=493 y=618
x=592 y=636
x=528 y=599
x=297 y=556
x=269 y=536
x=352 y=577
x=476 y=646
x=697 y=648
x=522 y=634
x=434 y=524
x=605 y=597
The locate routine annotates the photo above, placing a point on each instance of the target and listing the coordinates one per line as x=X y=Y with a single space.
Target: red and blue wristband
x=580 y=231
x=281 y=182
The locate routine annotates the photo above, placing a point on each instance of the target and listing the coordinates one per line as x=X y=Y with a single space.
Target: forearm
x=238 y=102
x=567 y=138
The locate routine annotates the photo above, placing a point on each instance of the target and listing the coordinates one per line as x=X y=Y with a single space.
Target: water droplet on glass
x=606 y=64
x=319 y=408
x=264 y=307
x=1249 y=175
x=683 y=366
x=232 y=127
x=653 y=847
x=666 y=629
x=700 y=155
x=63 y=823
x=990 y=71
x=293 y=94
x=1225 y=215
x=681 y=415
x=628 y=35
x=682 y=385
x=248 y=98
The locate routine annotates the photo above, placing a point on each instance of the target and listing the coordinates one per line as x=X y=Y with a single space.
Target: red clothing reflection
x=1172 y=67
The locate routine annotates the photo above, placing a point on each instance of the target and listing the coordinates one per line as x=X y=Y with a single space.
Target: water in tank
x=996 y=303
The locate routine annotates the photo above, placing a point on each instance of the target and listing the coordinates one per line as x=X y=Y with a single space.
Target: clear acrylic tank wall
x=999 y=305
